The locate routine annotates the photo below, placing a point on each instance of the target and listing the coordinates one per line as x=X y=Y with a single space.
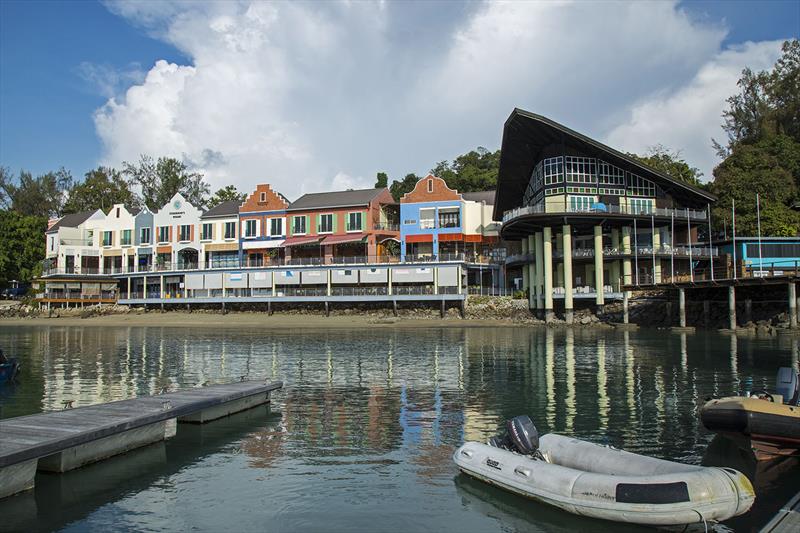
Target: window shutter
x=307 y=223
x=362 y=218
x=334 y=220
x=318 y=219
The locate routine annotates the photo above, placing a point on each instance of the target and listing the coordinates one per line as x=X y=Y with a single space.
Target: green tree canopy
x=101 y=188
x=226 y=194
x=160 y=180
x=22 y=246
x=43 y=195
x=407 y=184
x=670 y=163
x=474 y=171
x=381 y=180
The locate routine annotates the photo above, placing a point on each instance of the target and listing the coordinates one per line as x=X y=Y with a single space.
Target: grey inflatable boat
x=601 y=482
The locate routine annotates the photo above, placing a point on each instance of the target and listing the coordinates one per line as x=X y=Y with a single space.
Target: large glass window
x=581 y=203
x=449 y=217
x=108 y=238
x=163 y=234
x=325 y=223
x=126 y=237
x=299 y=225
x=580 y=169
x=185 y=232
x=534 y=191
x=641 y=206
x=354 y=222
x=427 y=218
x=553 y=170
x=638 y=186
x=608 y=174
x=207 y=232
x=250 y=228
x=275 y=227
x=230 y=230
x=144 y=236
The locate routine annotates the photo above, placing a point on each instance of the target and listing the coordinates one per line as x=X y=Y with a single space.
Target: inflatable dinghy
x=601 y=482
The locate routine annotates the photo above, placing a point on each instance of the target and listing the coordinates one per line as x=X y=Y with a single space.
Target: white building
x=176 y=229
x=218 y=235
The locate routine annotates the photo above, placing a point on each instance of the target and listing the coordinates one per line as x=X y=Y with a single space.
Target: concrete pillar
x=436 y=280
x=533 y=294
x=547 y=245
x=526 y=284
x=792 y=306
x=657 y=262
x=539 y=256
x=625 y=313
x=328 y=292
x=615 y=266
x=567 y=247
x=627 y=274
x=144 y=288
x=129 y=287
x=558 y=281
x=598 y=265
x=161 y=293
x=682 y=308
x=459 y=280
x=732 y=306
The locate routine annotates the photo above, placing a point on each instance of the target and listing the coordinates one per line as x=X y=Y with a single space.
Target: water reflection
x=369 y=415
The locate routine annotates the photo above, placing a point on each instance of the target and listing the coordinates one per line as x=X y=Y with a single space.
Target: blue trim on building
x=410 y=211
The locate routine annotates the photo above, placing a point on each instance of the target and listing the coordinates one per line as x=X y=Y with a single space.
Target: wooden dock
x=62 y=440
x=787 y=520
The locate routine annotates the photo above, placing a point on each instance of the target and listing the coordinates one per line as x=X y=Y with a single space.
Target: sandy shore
x=260 y=320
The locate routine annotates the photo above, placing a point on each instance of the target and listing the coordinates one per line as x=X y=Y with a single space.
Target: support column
x=129 y=287
x=627 y=274
x=625 y=313
x=614 y=267
x=539 y=256
x=533 y=293
x=547 y=245
x=526 y=284
x=558 y=280
x=732 y=307
x=682 y=308
x=657 y=260
x=567 y=247
x=792 y=306
x=161 y=293
x=598 y=266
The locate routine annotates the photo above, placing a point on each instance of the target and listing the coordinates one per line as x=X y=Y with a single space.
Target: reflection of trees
x=264 y=447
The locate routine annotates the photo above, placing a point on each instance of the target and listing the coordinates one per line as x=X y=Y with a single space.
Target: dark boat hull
x=761 y=421
x=8 y=371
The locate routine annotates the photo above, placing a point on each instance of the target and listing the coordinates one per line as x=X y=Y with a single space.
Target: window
x=354 y=221
x=449 y=217
x=641 y=206
x=263 y=197
x=185 y=232
x=427 y=218
x=230 y=230
x=580 y=169
x=580 y=203
x=325 y=223
x=126 y=237
x=108 y=238
x=144 y=236
x=409 y=222
x=608 y=174
x=533 y=193
x=118 y=212
x=553 y=170
x=163 y=234
x=299 y=225
x=638 y=186
x=52 y=244
x=250 y=228
x=430 y=185
x=208 y=232
x=275 y=227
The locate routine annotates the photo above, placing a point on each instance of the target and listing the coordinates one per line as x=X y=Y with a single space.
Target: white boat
x=597 y=481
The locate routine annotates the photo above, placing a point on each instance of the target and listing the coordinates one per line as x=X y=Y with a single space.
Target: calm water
x=360 y=438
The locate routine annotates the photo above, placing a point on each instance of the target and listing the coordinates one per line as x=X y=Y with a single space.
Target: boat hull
x=774 y=424
x=628 y=488
x=8 y=371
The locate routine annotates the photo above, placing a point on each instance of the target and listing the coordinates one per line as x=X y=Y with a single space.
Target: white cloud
x=316 y=96
x=686 y=119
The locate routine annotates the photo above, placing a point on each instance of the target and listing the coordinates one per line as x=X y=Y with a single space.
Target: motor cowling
x=787 y=385
x=523 y=434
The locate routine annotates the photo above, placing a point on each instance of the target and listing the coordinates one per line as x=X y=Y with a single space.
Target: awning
x=263 y=245
x=296 y=241
x=226 y=247
x=164 y=250
x=341 y=239
x=112 y=253
x=419 y=238
x=444 y=237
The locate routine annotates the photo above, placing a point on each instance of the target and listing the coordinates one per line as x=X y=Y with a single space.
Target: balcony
x=386 y=226
x=75 y=242
x=661 y=212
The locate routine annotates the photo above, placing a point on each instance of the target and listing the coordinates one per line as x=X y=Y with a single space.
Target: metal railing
x=386 y=226
x=608 y=209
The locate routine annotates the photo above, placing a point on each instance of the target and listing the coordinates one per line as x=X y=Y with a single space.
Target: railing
x=608 y=209
x=301 y=291
x=412 y=289
x=76 y=295
x=76 y=242
x=385 y=226
x=359 y=291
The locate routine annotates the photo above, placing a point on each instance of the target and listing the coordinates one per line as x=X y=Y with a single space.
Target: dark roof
x=479 y=196
x=134 y=210
x=318 y=200
x=72 y=220
x=223 y=209
x=526 y=135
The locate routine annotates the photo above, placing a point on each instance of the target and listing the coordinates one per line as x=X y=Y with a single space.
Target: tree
x=399 y=188
x=382 y=180
x=22 y=246
x=43 y=195
x=101 y=188
x=226 y=194
x=474 y=171
x=160 y=180
x=670 y=163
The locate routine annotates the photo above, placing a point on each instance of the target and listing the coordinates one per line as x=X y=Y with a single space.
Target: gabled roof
x=319 y=200
x=72 y=220
x=479 y=196
x=526 y=135
x=223 y=209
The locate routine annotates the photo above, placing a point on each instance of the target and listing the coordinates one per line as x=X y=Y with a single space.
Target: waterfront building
x=116 y=238
x=262 y=218
x=437 y=221
x=143 y=239
x=177 y=235
x=777 y=255
x=71 y=246
x=219 y=235
x=592 y=221
x=342 y=226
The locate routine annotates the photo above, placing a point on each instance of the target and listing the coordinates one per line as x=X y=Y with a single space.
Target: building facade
x=592 y=221
x=176 y=228
x=219 y=235
x=262 y=221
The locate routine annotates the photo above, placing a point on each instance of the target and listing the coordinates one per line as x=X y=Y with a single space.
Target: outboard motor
x=521 y=437
x=787 y=385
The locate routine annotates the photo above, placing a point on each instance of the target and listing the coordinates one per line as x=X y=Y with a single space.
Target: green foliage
x=670 y=163
x=474 y=171
x=160 y=180
x=22 y=246
x=381 y=180
x=399 y=188
x=40 y=196
x=102 y=188
x=226 y=194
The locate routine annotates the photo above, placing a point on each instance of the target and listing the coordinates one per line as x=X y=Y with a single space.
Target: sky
x=322 y=95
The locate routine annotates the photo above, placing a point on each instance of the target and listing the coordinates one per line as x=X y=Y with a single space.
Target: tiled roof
x=224 y=209
x=335 y=199
x=480 y=196
x=72 y=220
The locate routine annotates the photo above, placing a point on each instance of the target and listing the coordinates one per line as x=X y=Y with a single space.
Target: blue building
x=777 y=254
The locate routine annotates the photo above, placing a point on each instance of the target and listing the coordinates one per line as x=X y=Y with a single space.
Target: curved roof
x=526 y=134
